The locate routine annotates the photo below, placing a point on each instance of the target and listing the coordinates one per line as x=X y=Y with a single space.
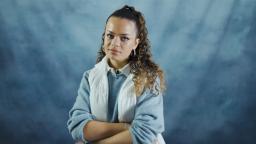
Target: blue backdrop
x=206 y=48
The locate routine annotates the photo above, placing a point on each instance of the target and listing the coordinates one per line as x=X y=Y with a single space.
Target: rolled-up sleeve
x=148 y=120
x=80 y=113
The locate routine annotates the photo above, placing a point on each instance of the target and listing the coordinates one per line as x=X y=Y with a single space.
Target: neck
x=116 y=64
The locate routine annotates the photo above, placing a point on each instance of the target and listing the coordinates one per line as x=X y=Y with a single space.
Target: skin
x=105 y=132
x=119 y=40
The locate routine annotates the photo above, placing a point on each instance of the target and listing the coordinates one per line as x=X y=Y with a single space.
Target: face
x=119 y=40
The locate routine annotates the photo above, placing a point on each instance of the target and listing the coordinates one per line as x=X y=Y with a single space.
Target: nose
x=116 y=42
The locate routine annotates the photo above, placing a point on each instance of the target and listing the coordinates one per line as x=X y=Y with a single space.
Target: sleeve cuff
x=81 y=130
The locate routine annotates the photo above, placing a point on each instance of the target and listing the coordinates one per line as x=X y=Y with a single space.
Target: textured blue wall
x=206 y=48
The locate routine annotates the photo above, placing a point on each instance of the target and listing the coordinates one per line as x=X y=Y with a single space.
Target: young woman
x=120 y=100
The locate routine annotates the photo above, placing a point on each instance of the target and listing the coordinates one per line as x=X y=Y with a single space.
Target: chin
x=113 y=57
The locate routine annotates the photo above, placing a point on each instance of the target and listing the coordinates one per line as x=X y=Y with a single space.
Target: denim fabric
x=148 y=120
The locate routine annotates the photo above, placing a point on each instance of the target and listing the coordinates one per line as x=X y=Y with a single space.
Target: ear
x=137 y=41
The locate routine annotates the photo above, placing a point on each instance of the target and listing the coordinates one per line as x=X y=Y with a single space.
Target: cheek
x=128 y=51
x=106 y=43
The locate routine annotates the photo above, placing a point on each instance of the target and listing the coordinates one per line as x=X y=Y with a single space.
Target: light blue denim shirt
x=148 y=120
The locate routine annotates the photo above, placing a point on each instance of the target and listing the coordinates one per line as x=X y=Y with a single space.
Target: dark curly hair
x=142 y=66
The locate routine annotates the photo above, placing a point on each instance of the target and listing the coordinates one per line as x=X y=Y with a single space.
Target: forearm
x=123 y=137
x=96 y=130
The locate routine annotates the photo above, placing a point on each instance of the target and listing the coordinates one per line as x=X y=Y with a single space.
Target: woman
x=120 y=99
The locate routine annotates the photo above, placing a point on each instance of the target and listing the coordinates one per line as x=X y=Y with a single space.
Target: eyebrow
x=119 y=34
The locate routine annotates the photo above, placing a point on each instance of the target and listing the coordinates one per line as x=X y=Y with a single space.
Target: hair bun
x=130 y=8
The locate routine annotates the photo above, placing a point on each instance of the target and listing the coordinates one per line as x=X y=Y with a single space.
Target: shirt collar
x=124 y=70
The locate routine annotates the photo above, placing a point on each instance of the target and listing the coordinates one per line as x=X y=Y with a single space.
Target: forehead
x=121 y=26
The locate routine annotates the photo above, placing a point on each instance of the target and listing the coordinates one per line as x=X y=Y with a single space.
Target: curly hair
x=142 y=66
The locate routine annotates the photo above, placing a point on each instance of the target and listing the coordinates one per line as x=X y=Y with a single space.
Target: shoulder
x=88 y=71
x=156 y=89
x=86 y=75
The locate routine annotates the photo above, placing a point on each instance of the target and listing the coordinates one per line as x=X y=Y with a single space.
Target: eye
x=124 y=39
x=110 y=36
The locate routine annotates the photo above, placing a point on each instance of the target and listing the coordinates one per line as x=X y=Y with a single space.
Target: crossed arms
x=105 y=133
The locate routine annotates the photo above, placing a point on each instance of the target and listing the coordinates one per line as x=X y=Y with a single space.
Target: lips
x=114 y=51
